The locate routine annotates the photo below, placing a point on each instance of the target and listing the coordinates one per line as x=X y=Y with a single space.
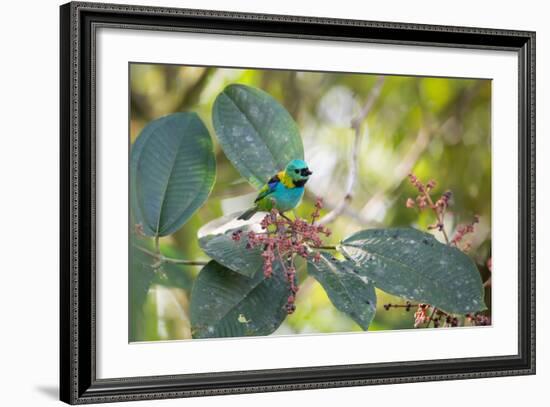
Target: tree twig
x=354 y=162
x=163 y=258
x=400 y=172
x=440 y=216
x=324 y=247
x=434 y=309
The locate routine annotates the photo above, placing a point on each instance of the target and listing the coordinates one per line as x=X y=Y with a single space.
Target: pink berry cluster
x=425 y=313
x=463 y=230
x=478 y=319
x=293 y=289
x=424 y=200
x=282 y=239
x=421 y=315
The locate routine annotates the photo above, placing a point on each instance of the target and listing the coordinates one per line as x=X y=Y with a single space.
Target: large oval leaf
x=256 y=133
x=350 y=293
x=227 y=304
x=172 y=171
x=233 y=254
x=413 y=264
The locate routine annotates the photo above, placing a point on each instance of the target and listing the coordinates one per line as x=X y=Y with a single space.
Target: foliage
x=225 y=303
x=349 y=291
x=256 y=133
x=172 y=172
x=231 y=253
x=412 y=264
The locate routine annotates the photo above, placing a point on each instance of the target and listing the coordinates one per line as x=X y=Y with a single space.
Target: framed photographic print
x=257 y=203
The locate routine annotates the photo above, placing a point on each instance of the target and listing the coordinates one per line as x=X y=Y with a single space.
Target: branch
x=434 y=310
x=400 y=172
x=324 y=247
x=417 y=148
x=193 y=94
x=438 y=215
x=354 y=164
x=163 y=258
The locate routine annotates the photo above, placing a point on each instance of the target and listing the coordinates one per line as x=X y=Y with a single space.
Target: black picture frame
x=78 y=382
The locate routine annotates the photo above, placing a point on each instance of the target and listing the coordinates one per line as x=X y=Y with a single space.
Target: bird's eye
x=296 y=171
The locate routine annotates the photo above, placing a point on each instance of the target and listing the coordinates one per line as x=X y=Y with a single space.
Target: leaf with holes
x=412 y=264
x=350 y=292
x=256 y=132
x=233 y=254
x=228 y=304
x=172 y=171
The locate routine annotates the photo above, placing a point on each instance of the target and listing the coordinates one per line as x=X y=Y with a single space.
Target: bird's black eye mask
x=304 y=172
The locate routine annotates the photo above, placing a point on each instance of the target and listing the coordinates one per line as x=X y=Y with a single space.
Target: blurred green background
x=437 y=128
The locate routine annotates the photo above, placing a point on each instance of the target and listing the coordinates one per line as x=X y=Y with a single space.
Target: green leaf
x=350 y=293
x=256 y=133
x=413 y=264
x=215 y=239
x=233 y=254
x=227 y=304
x=172 y=171
x=141 y=275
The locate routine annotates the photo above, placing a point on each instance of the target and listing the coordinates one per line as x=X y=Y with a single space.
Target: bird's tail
x=248 y=213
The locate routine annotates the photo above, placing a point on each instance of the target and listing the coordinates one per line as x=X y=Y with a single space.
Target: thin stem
x=157 y=244
x=163 y=258
x=184 y=262
x=324 y=247
x=403 y=305
x=397 y=175
x=434 y=309
x=286 y=217
x=439 y=216
x=281 y=260
x=354 y=156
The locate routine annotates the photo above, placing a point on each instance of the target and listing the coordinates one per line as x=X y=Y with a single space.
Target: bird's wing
x=268 y=188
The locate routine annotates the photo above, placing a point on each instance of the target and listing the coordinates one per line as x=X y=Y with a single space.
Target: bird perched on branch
x=283 y=191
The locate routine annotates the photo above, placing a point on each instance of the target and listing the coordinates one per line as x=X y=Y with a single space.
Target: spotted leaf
x=256 y=132
x=227 y=304
x=351 y=293
x=412 y=264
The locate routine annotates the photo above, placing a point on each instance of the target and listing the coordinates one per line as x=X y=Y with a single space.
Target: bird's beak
x=309 y=172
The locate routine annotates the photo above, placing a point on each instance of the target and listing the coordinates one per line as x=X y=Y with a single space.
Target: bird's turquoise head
x=298 y=171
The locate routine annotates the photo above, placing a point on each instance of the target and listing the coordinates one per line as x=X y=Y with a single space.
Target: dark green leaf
x=413 y=264
x=233 y=254
x=256 y=133
x=172 y=171
x=350 y=293
x=227 y=304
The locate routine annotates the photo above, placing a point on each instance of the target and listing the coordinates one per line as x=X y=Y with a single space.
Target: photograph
x=253 y=201
x=288 y=202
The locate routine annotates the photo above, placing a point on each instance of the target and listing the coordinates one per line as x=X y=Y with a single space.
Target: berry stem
x=163 y=259
x=434 y=309
x=439 y=215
